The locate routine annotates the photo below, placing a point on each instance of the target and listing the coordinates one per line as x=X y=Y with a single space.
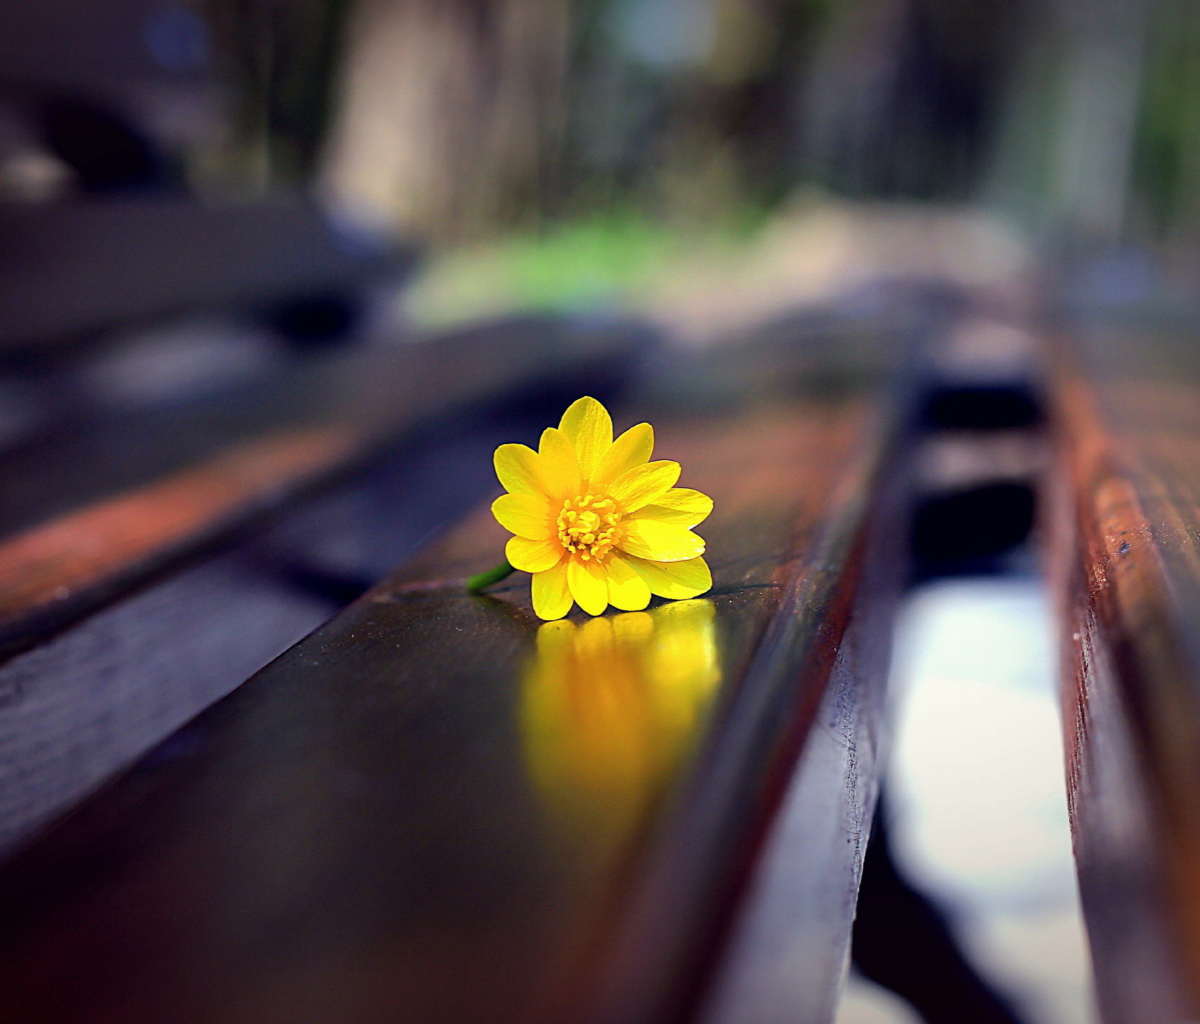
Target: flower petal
x=680 y=505
x=644 y=485
x=559 y=465
x=675 y=581
x=589 y=428
x=626 y=589
x=532 y=555
x=659 y=542
x=517 y=466
x=526 y=515
x=589 y=585
x=632 y=449
x=551 y=595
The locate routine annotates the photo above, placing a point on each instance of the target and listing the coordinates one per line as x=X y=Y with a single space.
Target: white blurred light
x=977 y=789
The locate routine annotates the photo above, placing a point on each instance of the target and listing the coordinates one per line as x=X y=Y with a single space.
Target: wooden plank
x=1127 y=571
x=87 y=549
x=83 y=705
x=84 y=527
x=435 y=808
x=789 y=940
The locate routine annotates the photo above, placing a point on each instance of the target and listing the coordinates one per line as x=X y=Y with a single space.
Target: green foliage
x=1167 y=156
x=588 y=263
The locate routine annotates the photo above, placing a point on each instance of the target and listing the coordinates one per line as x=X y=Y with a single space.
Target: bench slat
x=1128 y=578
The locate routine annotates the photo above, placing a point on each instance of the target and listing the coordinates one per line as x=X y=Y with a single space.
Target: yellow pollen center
x=587 y=526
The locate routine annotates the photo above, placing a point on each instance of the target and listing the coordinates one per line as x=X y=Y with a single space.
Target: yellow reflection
x=609 y=708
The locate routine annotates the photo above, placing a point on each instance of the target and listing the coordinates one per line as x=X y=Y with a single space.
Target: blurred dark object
x=278 y=65
x=902 y=942
x=228 y=97
x=119 y=90
x=73 y=269
x=317 y=321
x=105 y=152
x=919 y=118
x=981 y=407
x=972 y=526
x=979 y=430
x=130 y=100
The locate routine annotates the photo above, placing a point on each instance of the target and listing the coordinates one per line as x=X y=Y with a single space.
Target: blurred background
x=566 y=151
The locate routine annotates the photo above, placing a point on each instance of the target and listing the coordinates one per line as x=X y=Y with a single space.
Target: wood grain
x=1125 y=565
x=85 y=704
x=42 y=568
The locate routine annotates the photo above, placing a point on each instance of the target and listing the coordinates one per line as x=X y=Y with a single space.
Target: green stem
x=485 y=579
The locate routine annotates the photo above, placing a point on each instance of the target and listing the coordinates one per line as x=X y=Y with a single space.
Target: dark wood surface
x=435 y=808
x=785 y=955
x=80 y=706
x=1127 y=565
x=186 y=545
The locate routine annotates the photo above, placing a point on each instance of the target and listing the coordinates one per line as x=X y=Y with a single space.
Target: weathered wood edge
x=666 y=957
x=1131 y=728
x=790 y=944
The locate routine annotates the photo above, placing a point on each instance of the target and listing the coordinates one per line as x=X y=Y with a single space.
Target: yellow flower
x=596 y=521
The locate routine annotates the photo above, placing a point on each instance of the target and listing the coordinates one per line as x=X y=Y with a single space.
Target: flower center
x=587 y=526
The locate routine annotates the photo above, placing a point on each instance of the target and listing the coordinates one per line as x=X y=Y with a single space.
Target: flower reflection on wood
x=611 y=707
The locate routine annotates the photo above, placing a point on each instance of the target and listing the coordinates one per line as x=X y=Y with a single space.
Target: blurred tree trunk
x=276 y=62
x=1166 y=168
x=450 y=112
x=905 y=95
x=1064 y=156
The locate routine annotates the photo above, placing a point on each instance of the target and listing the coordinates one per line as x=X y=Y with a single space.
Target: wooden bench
x=435 y=808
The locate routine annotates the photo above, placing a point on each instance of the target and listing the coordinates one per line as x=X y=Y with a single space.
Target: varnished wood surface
x=1126 y=530
x=97 y=505
x=436 y=809
x=86 y=703
x=786 y=949
x=85 y=550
